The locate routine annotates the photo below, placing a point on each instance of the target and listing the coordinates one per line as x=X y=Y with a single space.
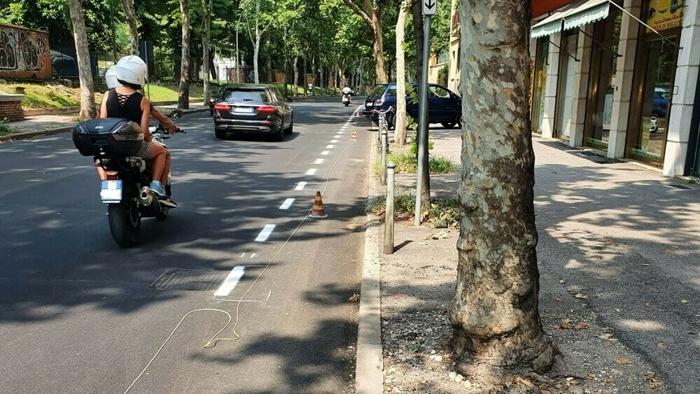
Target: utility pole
x=423 y=170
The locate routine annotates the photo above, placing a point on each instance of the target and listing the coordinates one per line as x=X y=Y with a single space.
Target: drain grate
x=190 y=280
x=677 y=186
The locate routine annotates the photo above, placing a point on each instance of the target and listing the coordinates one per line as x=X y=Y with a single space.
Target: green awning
x=571 y=17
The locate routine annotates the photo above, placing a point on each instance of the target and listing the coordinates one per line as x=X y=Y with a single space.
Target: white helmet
x=111 y=78
x=131 y=69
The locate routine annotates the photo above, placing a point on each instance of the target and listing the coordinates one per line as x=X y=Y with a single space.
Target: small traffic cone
x=354 y=135
x=317 y=210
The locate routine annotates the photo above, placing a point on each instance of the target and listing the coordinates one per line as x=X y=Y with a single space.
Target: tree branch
x=360 y=12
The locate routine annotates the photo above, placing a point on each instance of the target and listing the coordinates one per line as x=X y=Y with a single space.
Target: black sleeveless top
x=125 y=107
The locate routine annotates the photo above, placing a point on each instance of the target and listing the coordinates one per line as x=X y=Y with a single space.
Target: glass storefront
x=540 y=82
x=602 y=82
x=567 y=80
x=649 y=135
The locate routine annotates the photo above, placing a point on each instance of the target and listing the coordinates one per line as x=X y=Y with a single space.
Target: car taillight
x=378 y=102
x=222 y=107
x=266 y=109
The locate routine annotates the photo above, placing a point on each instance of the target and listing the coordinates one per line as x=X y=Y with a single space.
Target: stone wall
x=11 y=108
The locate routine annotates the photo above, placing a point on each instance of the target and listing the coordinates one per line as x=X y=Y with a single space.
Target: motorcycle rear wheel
x=124 y=223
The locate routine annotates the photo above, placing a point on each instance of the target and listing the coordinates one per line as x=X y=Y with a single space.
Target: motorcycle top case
x=113 y=136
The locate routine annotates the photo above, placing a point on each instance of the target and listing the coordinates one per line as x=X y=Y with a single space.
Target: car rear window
x=246 y=96
x=391 y=92
x=378 y=90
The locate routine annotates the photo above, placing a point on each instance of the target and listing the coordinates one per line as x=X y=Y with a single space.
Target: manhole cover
x=192 y=280
x=679 y=186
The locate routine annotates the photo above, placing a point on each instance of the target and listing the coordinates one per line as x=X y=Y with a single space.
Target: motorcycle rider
x=127 y=102
x=346 y=93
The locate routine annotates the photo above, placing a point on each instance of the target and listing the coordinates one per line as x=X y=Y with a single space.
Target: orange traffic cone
x=354 y=135
x=317 y=210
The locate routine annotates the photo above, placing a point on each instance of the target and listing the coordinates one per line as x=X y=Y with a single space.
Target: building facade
x=620 y=77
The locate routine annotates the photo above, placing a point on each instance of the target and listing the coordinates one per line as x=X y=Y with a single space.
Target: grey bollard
x=389 y=211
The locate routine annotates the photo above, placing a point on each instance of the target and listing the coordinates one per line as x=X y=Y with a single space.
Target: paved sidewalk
x=50 y=124
x=619 y=257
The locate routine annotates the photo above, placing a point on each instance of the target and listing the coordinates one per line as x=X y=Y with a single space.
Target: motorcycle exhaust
x=147 y=196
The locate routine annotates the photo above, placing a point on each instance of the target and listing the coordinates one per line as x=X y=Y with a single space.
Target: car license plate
x=369 y=105
x=111 y=191
x=243 y=110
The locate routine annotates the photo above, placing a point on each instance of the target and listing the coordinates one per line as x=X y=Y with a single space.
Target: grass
x=5 y=129
x=444 y=213
x=407 y=163
x=160 y=93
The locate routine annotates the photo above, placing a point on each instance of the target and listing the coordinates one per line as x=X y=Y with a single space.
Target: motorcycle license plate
x=111 y=191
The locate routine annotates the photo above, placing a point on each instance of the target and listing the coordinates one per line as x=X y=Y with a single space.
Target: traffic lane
x=301 y=338
x=137 y=303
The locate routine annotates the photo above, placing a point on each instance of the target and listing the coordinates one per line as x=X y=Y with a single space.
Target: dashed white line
x=287 y=203
x=265 y=233
x=230 y=282
x=330 y=146
x=324 y=153
x=318 y=161
x=300 y=186
x=311 y=171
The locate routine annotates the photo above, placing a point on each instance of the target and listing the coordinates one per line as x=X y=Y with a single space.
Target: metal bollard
x=382 y=175
x=389 y=211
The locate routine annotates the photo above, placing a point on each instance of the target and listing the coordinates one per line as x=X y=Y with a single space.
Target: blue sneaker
x=157 y=188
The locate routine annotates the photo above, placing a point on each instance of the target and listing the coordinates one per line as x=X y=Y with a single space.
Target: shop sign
x=665 y=14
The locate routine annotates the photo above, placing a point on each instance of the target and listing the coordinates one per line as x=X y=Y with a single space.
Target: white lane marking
x=252 y=256
x=300 y=186
x=324 y=153
x=265 y=233
x=318 y=161
x=311 y=171
x=287 y=203
x=230 y=282
x=334 y=141
x=330 y=146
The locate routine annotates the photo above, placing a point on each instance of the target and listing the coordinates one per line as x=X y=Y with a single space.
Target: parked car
x=444 y=106
x=251 y=108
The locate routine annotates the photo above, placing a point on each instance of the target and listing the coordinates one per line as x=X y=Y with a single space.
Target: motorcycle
x=114 y=144
x=346 y=99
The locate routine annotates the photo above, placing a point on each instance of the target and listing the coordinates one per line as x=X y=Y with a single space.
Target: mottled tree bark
x=183 y=99
x=87 y=89
x=401 y=122
x=206 y=21
x=371 y=13
x=131 y=21
x=494 y=312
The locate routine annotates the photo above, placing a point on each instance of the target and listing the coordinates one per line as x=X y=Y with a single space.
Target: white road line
x=324 y=153
x=287 y=203
x=265 y=233
x=311 y=171
x=300 y=186
x=334 y=141
x=318 y=161
x=230 y=282
x=330 y=146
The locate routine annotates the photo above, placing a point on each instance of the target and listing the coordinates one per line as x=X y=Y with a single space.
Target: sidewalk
x=619 y=258
x=39 y=125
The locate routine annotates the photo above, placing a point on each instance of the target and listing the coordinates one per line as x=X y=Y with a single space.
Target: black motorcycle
x=114 y=143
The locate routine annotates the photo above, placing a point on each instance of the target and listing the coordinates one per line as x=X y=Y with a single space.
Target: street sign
x=429 y=7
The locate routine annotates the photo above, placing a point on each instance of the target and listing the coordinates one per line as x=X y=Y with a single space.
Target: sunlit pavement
x=79 y=314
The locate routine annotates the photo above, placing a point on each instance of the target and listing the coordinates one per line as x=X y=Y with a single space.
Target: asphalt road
x=79 y=314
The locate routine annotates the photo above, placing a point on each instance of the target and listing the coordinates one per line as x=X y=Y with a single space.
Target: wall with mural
x=24 y=53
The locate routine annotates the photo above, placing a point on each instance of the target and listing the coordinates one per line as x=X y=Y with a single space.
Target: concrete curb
x=59 y=130
x=369 y=365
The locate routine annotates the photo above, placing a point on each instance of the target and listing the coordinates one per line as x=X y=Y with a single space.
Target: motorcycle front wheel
x=124 y=223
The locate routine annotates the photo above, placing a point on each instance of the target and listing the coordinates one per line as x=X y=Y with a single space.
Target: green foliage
x=444 y=212
x=407 y=163
x=442 y=75
x=4 y=128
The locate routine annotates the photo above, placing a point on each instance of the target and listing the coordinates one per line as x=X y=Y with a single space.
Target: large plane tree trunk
x=494 y=312
x=401 y=121
x=183 y=93
x=130 y=13
x=87 y=88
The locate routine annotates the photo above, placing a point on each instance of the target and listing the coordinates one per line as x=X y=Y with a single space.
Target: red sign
x=542 y=7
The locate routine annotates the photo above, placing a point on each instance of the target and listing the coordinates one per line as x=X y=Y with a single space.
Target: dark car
x=252 y=108
x=444 y=106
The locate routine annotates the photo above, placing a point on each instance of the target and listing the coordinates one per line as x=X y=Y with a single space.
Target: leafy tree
x=401 y=123
x=183 y=101
x=130 y=14
x=371 y=13
x=495 y=308
x=87 y=90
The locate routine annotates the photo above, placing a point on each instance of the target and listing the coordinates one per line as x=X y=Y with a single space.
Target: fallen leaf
x=661 y=345
x=581 y=326
x=524 y=382
x=622 y=360
x=581 y=296
x=649 y=374
x=354 y=298
x=566 y=324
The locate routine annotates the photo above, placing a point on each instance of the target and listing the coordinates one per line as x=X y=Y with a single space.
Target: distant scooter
x=346 y=99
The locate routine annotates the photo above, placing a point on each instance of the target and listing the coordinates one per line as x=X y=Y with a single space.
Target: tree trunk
x=497 y=328
x=256 y=53
x=87 y=89
x=296 y=74
x=401 y=121
x=131 y=21
x=183 y=100
x=418 y=36
x=378 y=47
x=206 y=20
